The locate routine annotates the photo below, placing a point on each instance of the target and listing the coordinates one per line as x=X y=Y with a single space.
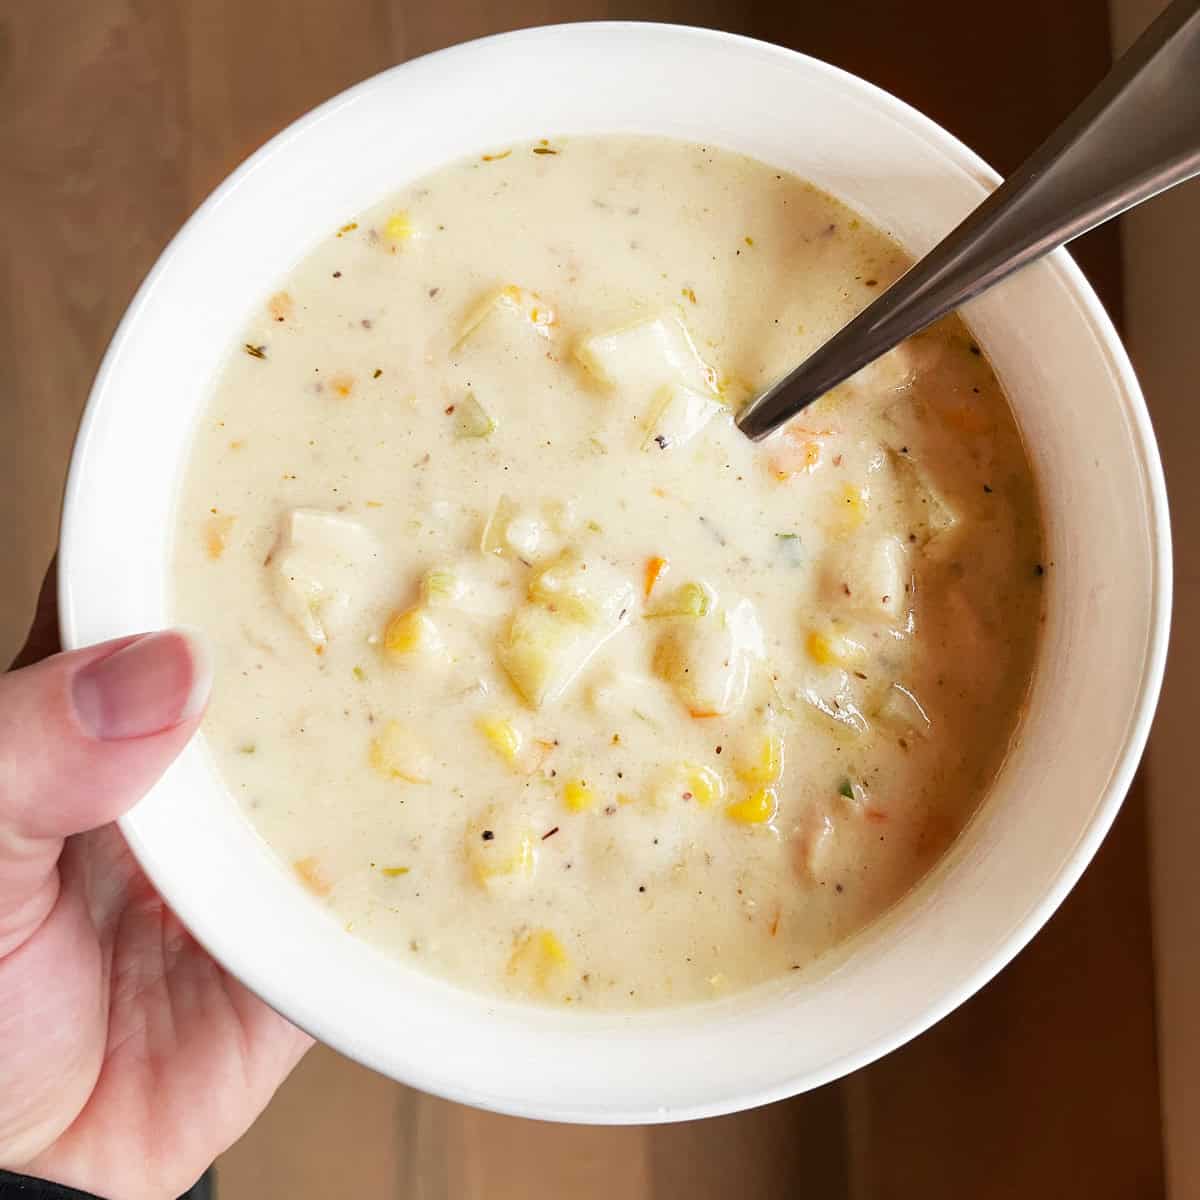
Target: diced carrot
x=216 y=534
x=280 y=306
x=311 y=876
x=342 y=384
x=700 y=715
x=654 y=568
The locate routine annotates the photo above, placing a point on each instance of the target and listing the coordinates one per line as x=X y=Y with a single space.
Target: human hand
x=128 y=1058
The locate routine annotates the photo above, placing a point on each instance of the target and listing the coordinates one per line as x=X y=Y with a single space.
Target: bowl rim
x=1154 y=495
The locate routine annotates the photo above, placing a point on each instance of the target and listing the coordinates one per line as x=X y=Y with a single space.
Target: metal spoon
x=1137 y=134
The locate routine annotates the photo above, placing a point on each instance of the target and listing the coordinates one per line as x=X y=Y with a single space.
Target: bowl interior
x=1108 y=573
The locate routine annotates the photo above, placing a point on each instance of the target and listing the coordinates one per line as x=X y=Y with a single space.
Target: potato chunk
x=517 y=304
x=586 y=589
x=320 y=570
x=643 y=358
x=501 y=849
x=707 y=659
x=544 y=650
x=679 y=413
x=867 y=578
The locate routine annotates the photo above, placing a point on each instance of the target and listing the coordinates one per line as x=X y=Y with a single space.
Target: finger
x=43 y=635
x=82 y=737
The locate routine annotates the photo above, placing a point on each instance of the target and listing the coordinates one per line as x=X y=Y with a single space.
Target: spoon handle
x=1135 y=135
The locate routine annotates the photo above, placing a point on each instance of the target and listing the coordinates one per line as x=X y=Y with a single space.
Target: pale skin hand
x=129 y=1059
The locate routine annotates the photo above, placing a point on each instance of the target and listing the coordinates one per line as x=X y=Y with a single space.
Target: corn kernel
x=704 y=785
x=764 y=763
x=504 y=737
x=411 y=632
x=757 y=808
x=833 y=649
x=577 y=795
x=853 y=504
x=398 y=753
x=537 y=957
x=398 y=227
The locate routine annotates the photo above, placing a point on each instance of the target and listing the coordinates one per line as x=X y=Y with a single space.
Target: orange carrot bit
x=654 y=568
x=799 y=458
x=280 y=306
x=876 y=815
x=698 y=714
x=342 y=384
x=310 y=874
x=774 y=926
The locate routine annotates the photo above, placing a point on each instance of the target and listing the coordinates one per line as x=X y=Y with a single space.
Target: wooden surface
x=116 y=118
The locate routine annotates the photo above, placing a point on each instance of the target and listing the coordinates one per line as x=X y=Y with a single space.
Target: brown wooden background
x=116 y=118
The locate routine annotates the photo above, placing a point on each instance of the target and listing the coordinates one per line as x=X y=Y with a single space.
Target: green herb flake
x=359 y=674
x=846 y=789
x=247 y=748
x=393 y=872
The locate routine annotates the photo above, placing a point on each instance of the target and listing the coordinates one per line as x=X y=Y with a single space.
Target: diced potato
x=757 y=808
x=707 y=661
x=321 y=569
x=526 y=307
x=813 y=844
x=537 y=959
x=546 y=644
x=833 y=649
x=902 y=713
x=892 y=372
x=642 y=358
x=867 y=578
x=578 y=795
x=399 y=753
x=689 y=599
x=759 y=758
x=516 y=534
x=679 y=414
x=586 y=589
x=412 y=633
x=927 y=513
x=471 y=419
x=832 y=701
x=501 y=849
x=542 y=652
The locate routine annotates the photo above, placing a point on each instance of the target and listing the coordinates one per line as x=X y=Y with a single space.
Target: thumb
x=82 y=736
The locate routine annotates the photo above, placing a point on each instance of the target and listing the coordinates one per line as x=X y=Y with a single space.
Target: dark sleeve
x=22 y=1187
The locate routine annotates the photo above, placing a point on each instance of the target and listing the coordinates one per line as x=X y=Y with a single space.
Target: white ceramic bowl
x=1108 y=587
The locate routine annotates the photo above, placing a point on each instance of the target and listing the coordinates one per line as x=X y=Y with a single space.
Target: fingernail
x=153 y=684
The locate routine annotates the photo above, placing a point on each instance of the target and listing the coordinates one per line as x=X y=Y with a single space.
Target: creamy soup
x=534 y=670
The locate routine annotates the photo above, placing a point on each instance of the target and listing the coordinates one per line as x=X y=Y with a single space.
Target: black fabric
x=23 y=1187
